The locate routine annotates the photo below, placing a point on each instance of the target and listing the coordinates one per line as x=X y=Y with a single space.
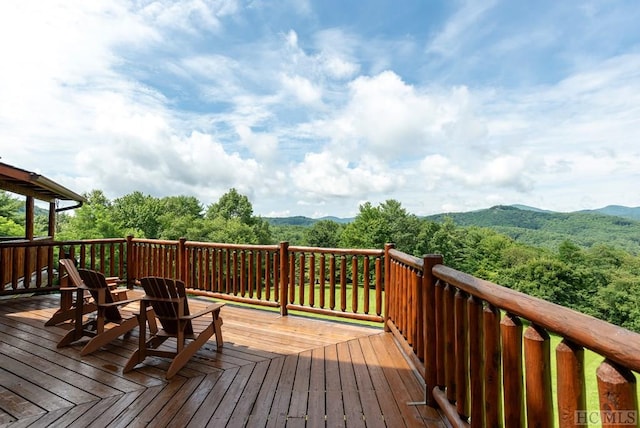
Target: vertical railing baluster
x=538 y=377
x=343 y=283
x=492 y=366
x=322 y=280
x=450 y=342
x=617 y=395
x=301 y=278
x=367 y=285
x=354 y=284
x=462 y=354
x=474 y=307
x=512 y=381
x=440 y=333
x=570 y=384
x=312 y=280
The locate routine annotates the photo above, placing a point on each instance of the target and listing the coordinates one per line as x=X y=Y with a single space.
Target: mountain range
x=613 y=225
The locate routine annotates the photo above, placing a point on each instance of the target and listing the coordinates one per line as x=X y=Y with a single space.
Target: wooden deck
x=272 y=372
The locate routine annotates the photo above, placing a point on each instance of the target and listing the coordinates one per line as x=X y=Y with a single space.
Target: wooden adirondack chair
x=170 y=305
x=108 y=322
x=67 y=310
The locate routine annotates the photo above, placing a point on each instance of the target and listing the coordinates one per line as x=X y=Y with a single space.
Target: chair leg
x=188 y=351
x=135 y=359
x=109 y=335
x=217 y=325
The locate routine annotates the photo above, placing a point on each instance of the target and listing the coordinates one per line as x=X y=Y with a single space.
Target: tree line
x=602 y=280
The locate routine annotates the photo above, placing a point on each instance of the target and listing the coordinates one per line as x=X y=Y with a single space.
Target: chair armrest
x=162 y=299
x=207 y=310
x=68 y=288
x=120 y=302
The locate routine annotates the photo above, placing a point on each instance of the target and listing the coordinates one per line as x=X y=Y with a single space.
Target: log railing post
x=512 y=385
x=492 y=366
x=476 y=364
x=284 y=277
x=387 y=284
x=538 y=377
x=571 y=388
x=429 y=316
x=131 y=267
x=462 y=354
x=617 y=395
x=182 y=268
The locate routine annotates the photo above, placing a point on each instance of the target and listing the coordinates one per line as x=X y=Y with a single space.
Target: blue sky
x=314 y=107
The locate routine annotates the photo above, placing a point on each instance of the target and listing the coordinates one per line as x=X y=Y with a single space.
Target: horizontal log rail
x=483 y=367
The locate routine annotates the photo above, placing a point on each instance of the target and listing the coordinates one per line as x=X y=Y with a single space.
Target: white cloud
x=303 y=90
x=458 y=28
x=325 y=175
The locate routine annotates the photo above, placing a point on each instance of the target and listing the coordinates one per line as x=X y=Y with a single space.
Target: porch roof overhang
x=28 y=183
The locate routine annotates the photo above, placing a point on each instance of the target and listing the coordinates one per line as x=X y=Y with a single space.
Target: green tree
x=137 y=214
x=11 y=208
x=232 y=205
x=374 y=227
x=91 y=221
x=231 y=218
x=324 y=233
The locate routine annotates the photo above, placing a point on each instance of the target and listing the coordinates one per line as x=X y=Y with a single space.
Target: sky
x=314 y=107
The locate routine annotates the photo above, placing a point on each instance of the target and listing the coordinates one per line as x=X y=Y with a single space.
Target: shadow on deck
x=273 y=371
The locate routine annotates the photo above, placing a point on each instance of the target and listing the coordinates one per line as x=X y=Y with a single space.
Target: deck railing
x=466 y=336
x=32 y=266
x=329 y=281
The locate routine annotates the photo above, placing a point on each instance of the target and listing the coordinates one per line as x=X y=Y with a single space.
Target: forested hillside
x=549 y=229
x=585 y=261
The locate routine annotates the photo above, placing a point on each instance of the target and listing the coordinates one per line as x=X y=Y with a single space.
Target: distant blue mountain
x=618 y=211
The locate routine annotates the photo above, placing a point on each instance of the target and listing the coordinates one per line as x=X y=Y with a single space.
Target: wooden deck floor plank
x=32 y=392
x=164 y=416
x=395 y=367
x=46 y=420
x=246 y=401
x=159 y=401
x=383 y=392
x=273 y=371
x=282 y=398
x=24 y=365
x=334 y=403
x=6 y=418
x=212 y=400
x=223 y=413
x=316 y=410
x=368 y=399
x=300 y=395
x=262 y=407
x=97 y=380
x=94 y=412
x=360 y=369
x=120 y=405
x=65 y=369
x=67 y=418
x=126 y=418
x=17 y=406
x=354 y=415
x=193 y=402
x=413 y=383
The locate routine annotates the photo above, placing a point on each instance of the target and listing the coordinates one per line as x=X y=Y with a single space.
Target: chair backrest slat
x=94 y=281
x=167 y=312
